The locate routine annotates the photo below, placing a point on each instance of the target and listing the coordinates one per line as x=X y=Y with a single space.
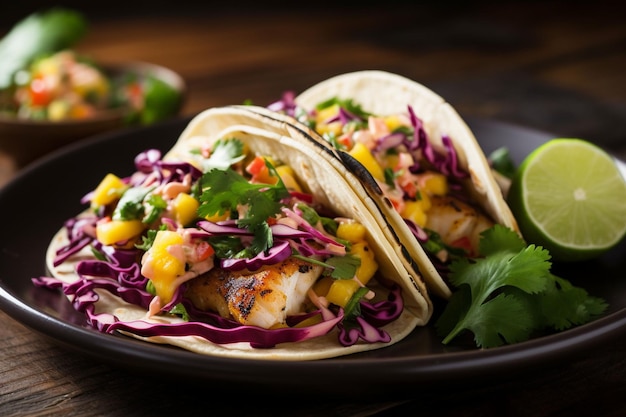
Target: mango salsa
x=368 y=266
x=114 y=231
x=352 y=232
x=434 y=183
x=110 y=189
x=185 y=207
x=415 y=211
x=362 y=154
x=163 y=266
x=323 y=115
x=289 y=178
x=341 y=291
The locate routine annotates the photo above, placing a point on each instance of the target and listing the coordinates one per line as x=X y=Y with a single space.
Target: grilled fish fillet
x=262 y=298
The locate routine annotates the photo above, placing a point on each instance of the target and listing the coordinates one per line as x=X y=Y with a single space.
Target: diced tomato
x=396 y=204
x=259 y=171
x=346 y=141
x=255 y=167
x=134 y=90
x=135 y=94
x=204 y=250
x=410 y=189
x=40 y=94
x=463 y=243
x=307 y=198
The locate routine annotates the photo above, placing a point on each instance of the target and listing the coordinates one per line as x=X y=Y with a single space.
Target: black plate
x=34 y=206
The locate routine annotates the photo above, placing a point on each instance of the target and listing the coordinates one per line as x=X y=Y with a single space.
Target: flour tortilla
x=330 y=189
x=383 y=93
x=279 y=125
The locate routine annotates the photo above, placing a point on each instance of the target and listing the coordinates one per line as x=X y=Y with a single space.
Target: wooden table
x=554 y=66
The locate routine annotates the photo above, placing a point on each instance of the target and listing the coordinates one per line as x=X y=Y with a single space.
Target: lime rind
x=570 y=196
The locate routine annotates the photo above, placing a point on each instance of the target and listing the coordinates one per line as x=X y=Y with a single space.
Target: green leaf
x=227 y=191
x=343 y=267
x=225 y=153
x=154 y=205
x=130 y=206
x=510 y=293
x=38 y=34
x=501 y=320
x=161 y=100
x=226 y=247
x=353 y=306
x=347 y=104
x=565 y=305
x=148 y=239
x=498 y=239
x=502 y=162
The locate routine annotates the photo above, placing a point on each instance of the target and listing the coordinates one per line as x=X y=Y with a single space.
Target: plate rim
x=419 y=370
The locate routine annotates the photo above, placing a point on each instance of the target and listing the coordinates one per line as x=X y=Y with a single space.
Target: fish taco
x=237 y=242
x=417 y=158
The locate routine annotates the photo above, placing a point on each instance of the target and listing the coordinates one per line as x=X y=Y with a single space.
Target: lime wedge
x=569 y=196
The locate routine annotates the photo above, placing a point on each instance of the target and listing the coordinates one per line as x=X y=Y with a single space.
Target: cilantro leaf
x=502 y=162
x=154 y=206
x=227 y=191
x=312 y=217
x=148 y=239
x=352 y=309
x=130 y=206
x=347 y=104
x=225 y=153
x=343 y=267
x=510 y=293
x=565 y=305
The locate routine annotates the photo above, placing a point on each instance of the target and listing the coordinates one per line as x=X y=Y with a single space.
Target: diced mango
x=393 y=122
x=351 y=231
x=368 y=266
x=322 y=286
x=165 y=266
x=110 y=189
x=414 y=211
x=115 y=231
x=218 y=217
x=58 y=110
x=362 y=154
x=326 y=114
x=434 y=183
x=288 y=176
x=341 y=291
x=185 y=207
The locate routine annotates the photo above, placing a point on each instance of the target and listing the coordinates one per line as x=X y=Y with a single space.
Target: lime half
x=569 y=196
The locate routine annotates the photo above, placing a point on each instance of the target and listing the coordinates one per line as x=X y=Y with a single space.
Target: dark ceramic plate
x=34 y=206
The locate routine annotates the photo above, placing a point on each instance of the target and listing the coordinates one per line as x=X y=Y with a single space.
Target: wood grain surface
x=555 y=66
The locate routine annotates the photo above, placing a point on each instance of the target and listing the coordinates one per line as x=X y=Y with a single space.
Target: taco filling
x=417 y=157
x=424 y=186
x=228 y=248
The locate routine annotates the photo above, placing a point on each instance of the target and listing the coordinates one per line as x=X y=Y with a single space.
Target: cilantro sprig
x=228 y=191
x=225 y=153
x=509 y=294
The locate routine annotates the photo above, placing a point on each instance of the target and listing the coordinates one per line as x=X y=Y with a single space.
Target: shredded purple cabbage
x=446 y=163
x=287 y=104
x=84 y=298
x=119 y=273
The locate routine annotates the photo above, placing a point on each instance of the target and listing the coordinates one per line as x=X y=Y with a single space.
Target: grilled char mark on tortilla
x=320 y=170
x=440 y=123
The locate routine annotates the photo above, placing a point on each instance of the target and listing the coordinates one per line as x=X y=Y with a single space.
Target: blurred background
x=553 y=65
x=556 y=66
